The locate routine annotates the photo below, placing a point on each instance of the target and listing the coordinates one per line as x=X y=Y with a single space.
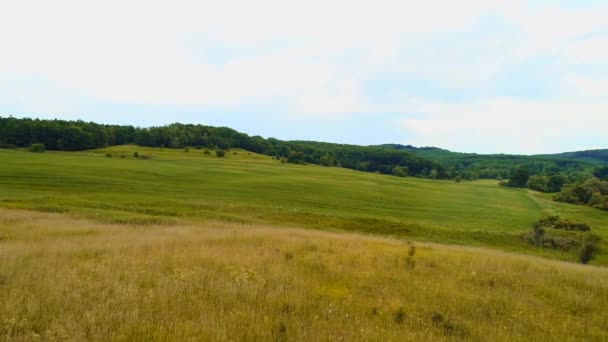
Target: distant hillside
x=473 y=165
x=396 y=159
x=589 y=155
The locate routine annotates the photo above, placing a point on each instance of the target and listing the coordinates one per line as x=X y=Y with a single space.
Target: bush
x=7 y=145
x=136 y=154
x=400 y=171
x=234 y=153
x=108 y=155
x=589 y=248
x=206 y=152
x=186 y=149
x=556 y=222
x=37 y=148
x=220 y=153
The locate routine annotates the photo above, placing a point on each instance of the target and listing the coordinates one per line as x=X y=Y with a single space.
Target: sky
x=513 y=76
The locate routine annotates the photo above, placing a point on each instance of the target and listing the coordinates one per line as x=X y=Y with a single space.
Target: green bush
x=37 y=148
x=206 y=152
x=109 y=155
x=220 y=153
x=589 y=248
x=556 y=222
x=6 y=145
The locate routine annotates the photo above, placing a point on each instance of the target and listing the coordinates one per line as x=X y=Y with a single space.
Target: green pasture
x=175 y=185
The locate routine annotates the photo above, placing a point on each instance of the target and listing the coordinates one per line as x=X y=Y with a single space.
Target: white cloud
x=316 y=57
x=514 y=125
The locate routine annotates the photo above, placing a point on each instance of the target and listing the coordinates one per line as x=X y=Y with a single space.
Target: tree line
x=538 y=173
x=79 y=135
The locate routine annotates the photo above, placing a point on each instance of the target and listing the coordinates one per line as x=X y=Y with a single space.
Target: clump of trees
x=566 y=224
x=576 y=237
x=592 y=192
x=37 y=148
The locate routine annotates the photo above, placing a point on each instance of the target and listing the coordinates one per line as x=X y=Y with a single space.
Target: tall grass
x=68 y=279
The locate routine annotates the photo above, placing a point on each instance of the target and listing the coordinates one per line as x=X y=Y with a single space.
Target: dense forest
x=542 y=173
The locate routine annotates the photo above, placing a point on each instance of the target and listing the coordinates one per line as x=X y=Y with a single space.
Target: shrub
x=206 y=152
x=234 y=153
x=136 y=154
x=186 y=149
x=411 y=251
x=108 y=155
x=589 y=248
x=556 y=222
x=220 y=153
x=399 y=316
x=400 y=171
x=37 y=148
x=7 y=145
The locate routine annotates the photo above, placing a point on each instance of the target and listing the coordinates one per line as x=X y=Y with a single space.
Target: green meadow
x=174 y=186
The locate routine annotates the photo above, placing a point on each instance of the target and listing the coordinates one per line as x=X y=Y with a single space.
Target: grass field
x=72 y=279
x=174 y=186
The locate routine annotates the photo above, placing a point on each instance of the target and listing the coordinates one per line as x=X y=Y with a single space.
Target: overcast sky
x=473 y=76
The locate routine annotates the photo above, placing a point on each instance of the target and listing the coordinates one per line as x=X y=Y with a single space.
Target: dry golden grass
x=67 y=279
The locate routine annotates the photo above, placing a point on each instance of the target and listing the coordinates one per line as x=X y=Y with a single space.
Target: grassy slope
x=175 y=186
x=67 y=279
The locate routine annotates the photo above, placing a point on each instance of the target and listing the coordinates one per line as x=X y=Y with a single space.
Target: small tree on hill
x=589 y=248
x=519 y=178
x=220 y=153
x=37 y=148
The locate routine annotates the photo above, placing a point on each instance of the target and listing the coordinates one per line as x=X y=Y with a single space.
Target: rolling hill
x=173 y=186
x=179 y=244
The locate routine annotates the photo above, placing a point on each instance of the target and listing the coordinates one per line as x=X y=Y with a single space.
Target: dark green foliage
x=519 y=177
x=326 y=160
x=109 y=155
x=556 y=222
x=592 y=192
x=400 y=171
x=234 y=153
x=186 y=149
x=556 y=183
x=601 y=173
x=538 y=183
x=220 y=153
x=7 y=146
x=589 y=248
x=136 y=154
x=37 y=148
x=500 y=166
x=206 y=152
